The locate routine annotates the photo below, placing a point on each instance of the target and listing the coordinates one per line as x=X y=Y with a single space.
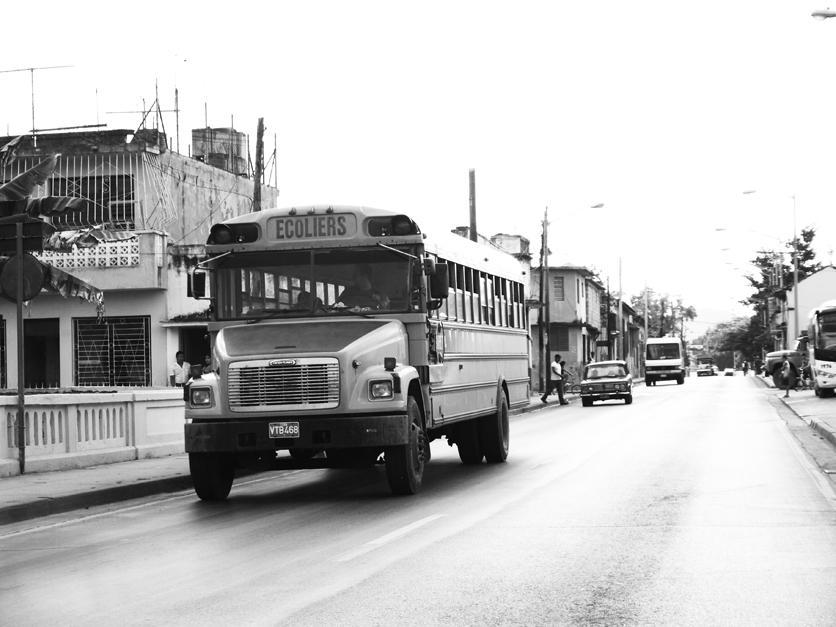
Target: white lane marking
x=382 y=540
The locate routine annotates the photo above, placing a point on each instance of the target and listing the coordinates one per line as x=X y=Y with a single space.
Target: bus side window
x=453 y=298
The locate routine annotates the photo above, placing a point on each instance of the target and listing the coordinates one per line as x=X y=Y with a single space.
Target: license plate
x=284 y=429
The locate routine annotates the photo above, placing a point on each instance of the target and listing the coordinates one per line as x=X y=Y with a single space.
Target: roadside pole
x=21 y=428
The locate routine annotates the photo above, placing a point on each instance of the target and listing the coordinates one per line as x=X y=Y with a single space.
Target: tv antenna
x=31 y=71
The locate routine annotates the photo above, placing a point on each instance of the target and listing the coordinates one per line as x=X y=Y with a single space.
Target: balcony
x=135 y=263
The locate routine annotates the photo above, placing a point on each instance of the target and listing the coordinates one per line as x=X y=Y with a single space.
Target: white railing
x=64 y=431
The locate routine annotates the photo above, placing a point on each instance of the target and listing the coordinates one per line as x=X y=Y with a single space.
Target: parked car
x=606 y=380
x=728 y=372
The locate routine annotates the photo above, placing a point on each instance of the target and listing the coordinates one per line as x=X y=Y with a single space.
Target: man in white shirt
x=556 y=382
x=180 y=371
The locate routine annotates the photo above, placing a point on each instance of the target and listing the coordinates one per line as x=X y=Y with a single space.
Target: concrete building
x=576 y=329
x=156 y=207
x=812 y=292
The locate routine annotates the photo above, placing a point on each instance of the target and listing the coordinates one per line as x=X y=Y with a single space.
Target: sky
x=664 y=112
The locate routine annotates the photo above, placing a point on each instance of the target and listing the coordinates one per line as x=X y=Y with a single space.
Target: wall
x=203 y=195
x=65 y=431
x=812 y=292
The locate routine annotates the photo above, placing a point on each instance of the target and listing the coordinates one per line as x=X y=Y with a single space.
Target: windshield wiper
x=273 y=314
x=350 y=310
x=396 y=251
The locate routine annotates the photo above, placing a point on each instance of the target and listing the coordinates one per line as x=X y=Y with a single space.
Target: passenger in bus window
x=303 y=302
x=363 y=293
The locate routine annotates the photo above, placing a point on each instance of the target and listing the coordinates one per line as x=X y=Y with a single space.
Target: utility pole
x=474 y=236
x=619 y=347
x=259 y=165
x=545 y=309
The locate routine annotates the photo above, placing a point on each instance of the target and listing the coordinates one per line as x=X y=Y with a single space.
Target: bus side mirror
x=197 y=284
x=440 y=282
x=429 y=265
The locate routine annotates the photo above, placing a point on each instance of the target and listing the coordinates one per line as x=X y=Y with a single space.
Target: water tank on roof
x=223 y=148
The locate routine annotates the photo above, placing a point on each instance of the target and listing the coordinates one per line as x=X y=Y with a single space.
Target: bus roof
x=457 y=249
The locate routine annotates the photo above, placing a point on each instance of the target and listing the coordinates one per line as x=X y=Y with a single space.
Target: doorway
x=42 y=353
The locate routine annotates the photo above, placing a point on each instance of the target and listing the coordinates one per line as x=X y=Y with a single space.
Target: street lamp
x=823 y=14
x=794 y=245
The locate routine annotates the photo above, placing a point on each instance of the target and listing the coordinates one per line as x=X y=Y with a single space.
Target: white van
x=664 y=360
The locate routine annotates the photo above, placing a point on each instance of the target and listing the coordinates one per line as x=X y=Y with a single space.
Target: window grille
x=115 y=352
x=558 y=288
x=562 y=338
x=109 y=200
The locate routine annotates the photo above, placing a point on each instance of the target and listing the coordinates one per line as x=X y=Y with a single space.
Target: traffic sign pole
x=21 y=429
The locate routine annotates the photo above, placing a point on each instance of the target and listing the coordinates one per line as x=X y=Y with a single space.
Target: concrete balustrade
x=64 y=431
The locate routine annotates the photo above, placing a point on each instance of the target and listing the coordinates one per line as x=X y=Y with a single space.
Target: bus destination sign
x=331 y=226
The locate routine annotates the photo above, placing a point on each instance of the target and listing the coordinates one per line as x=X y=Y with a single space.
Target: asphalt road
x=695 y=505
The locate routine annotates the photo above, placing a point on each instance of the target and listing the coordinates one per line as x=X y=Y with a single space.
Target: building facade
x=575 y=298
x=812 y=292
x=154 y=209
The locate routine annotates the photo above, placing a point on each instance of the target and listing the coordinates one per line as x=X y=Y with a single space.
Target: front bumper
x=248 y=436
x=663 y=374
x=605 y=396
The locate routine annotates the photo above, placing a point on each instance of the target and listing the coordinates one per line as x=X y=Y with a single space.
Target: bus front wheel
x=494 y=433
x=405 y=464
x=212 y=475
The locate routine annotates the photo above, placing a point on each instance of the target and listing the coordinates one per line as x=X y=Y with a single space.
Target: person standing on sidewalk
x=789 y=375
x=180 y=371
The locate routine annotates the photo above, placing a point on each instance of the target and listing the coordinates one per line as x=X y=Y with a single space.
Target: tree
x=665 y=314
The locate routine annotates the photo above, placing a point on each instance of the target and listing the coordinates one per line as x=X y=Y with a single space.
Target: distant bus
x=664 y=360
x=821 y=347
x=343 y=336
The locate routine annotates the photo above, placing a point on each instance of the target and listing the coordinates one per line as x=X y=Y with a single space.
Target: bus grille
x=284 y=384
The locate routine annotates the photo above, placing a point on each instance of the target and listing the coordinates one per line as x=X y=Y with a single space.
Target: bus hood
x=305 y=336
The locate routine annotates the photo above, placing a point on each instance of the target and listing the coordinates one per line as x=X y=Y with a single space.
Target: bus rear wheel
x=405 y=464
x=466 y=435
x=495 y=433
x=212 y=475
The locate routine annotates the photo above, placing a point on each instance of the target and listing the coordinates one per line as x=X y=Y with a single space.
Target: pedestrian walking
x=180 y=371
x=745 y=368
x=556 y=383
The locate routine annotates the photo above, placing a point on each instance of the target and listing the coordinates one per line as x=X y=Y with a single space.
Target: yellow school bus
x=345 y=336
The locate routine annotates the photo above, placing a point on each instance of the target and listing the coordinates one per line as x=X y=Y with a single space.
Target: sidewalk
x=34 y=495
x=819 y=413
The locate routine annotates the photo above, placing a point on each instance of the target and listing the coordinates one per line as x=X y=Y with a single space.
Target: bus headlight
x=381 y=390
x=200 y=397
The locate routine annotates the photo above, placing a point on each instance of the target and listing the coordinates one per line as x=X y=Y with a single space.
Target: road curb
x=94 y=498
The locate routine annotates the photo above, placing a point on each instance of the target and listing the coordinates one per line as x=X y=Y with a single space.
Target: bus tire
x=212 y=475
x=405 y=464
x=680 y=379
x=468 y=442
x=495 y=433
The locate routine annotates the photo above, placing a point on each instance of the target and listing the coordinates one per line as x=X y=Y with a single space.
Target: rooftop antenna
x=31 y=71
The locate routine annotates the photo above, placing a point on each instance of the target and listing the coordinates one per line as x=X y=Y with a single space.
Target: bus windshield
x=663 y=351
x=826 y=339
x=316 y=283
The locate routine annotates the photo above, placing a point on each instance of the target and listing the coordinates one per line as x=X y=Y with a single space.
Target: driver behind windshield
x=363 y=293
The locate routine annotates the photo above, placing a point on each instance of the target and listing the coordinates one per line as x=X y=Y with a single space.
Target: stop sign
x=34 y=276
